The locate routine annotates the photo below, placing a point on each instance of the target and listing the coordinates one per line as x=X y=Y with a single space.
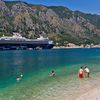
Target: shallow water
x=36 y=67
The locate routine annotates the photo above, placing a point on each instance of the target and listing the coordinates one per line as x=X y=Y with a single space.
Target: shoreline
x=92 y=94
x=89 y=91
x=64 y=47
x=72 y=45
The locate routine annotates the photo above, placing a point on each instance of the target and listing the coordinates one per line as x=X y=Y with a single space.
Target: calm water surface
x=36 y=67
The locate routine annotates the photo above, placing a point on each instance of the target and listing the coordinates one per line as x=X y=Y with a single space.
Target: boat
x=17 y=42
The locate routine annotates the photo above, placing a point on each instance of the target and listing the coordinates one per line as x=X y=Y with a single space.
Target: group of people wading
x=83 y=72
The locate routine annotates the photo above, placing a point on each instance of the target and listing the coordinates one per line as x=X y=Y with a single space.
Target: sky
x=87 y=6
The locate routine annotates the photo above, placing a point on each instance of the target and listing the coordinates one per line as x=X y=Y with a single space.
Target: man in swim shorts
x=86 y=71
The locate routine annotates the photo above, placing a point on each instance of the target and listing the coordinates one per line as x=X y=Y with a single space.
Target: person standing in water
x=86 y=72
x=80 y=73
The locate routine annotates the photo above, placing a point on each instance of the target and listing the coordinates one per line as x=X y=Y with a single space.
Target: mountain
x=57 y=22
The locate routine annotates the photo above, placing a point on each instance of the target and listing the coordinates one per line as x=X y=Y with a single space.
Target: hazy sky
x=88 y=6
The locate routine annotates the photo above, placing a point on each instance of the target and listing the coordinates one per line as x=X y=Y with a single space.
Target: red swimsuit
x=80 y=74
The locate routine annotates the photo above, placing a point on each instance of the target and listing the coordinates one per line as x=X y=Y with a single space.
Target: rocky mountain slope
x=57 y=22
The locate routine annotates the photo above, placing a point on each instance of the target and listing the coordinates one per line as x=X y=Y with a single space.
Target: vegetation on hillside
x=57 y=22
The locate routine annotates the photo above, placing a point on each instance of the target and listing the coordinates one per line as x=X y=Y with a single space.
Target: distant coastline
x=71 y=45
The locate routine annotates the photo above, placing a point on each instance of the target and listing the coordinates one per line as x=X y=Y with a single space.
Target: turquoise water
x=36 y=66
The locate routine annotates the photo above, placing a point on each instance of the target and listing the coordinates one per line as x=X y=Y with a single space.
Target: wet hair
x=85 y=66
x=81 y=67
x=17 y=77
x=53 y=71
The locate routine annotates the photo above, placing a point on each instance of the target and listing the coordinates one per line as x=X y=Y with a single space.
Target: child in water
x=80 y=73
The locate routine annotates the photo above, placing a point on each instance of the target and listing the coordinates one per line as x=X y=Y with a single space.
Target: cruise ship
x=17 y=42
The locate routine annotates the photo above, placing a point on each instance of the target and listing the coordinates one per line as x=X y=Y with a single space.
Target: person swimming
x=18 y=78
x=52 y=73
x=21 y=75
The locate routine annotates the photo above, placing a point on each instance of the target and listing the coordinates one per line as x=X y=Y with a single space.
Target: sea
x=35 y=67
